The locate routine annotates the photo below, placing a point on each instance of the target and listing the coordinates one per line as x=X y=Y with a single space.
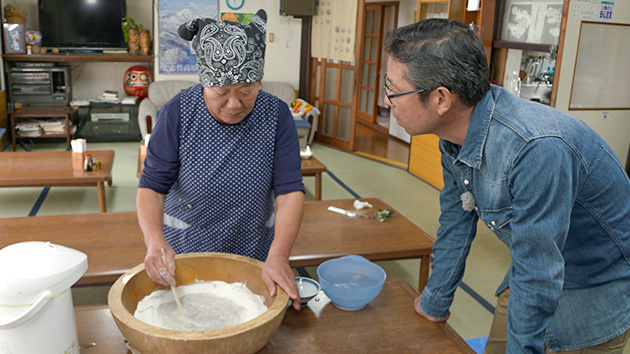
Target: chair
x=160 y=92
x=286 y=92
x=283 y=90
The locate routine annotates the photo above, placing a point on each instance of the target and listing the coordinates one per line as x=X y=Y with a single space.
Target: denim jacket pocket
x=497 y=219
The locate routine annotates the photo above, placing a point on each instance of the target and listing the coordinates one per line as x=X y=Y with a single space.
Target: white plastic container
x=36 y=311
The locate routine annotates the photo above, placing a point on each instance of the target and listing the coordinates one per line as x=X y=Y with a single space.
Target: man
x=544 y=182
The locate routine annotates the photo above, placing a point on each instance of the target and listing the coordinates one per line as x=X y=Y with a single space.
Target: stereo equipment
x=40 y=85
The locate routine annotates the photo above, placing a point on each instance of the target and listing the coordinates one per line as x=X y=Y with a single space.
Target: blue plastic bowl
x=351 y=282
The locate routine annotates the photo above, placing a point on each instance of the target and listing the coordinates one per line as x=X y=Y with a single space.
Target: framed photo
x=532 y=21
x=13 y=36
x=176 y=53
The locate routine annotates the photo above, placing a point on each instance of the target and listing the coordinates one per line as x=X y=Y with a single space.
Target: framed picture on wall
x=176 y=54
x=532 y=21
x=13 y=36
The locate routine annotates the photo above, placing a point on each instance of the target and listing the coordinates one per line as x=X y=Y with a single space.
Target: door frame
x=364 y=116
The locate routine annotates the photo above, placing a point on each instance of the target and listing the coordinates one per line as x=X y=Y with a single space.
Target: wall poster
x=532 y=21
x=176 y=54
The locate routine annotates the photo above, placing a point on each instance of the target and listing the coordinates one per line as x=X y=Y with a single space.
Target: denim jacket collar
x=472 y=150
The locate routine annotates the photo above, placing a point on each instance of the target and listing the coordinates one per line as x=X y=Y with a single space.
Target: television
x=82 y=25
x=297 y=8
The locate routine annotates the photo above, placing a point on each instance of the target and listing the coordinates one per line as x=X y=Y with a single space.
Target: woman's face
x=231 y=104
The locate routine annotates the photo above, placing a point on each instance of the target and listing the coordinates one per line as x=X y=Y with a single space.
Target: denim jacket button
x=466 y=182
x=493 y=223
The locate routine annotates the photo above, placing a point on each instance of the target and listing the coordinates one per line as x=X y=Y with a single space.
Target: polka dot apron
x=223 y=198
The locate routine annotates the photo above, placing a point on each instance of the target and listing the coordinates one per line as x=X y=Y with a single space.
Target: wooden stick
x=179 y=304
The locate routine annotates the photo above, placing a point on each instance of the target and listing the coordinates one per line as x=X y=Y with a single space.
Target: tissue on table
x=358 y=205
x=306 y=153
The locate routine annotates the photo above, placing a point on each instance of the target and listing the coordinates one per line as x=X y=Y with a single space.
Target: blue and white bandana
x=227 y=52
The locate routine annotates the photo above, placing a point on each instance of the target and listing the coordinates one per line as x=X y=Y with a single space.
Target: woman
x=219 y=154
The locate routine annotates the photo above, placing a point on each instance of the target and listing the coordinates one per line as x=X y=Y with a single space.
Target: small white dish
x=308 y=289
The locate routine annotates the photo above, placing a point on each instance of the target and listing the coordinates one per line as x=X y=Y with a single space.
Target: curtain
x=333 y=35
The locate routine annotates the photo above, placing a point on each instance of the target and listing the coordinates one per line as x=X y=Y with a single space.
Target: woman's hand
x=276 y=270
x=156 y=269
x=416 y=305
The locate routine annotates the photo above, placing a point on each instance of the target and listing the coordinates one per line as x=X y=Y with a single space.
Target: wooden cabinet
x=12 y=60
x=441 y=9
x=44 y=112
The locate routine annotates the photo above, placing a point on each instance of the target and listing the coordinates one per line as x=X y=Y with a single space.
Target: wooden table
x=325 y=235
x=387 y=325
x=114 y=244
x=64 y=112
x=311 y=167
x=53 y=169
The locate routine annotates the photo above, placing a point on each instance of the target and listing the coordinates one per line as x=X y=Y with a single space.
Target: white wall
x=615 y=129
x=282 y=58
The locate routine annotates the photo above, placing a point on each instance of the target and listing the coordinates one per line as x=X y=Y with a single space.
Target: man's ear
x=443 y=99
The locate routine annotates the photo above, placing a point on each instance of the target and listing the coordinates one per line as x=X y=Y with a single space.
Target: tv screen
x=82 y=25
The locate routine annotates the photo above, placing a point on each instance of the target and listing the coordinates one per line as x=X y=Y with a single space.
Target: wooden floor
x=379 y=145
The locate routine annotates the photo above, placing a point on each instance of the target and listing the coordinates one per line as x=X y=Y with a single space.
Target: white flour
x=206 y=305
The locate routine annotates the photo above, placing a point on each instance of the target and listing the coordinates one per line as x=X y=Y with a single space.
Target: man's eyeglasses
x=390 y=97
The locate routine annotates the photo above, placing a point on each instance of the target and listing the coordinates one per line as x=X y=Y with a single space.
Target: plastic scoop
x=177 y=301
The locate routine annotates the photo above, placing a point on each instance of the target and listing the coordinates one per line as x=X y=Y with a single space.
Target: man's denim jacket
x=555 y=193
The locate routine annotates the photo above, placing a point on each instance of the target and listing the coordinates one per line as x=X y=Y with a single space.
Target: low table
x=311 y=167
x=54 y=169
x=388 y=324
x=114 y=243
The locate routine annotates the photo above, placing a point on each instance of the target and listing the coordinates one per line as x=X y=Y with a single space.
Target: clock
x=235 y=4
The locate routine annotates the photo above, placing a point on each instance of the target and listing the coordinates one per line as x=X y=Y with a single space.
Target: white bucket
x=36 y=312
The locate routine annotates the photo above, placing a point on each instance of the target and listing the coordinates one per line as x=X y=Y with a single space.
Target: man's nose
x=387 y=101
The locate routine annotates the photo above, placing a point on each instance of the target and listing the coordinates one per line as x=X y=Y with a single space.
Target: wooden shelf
x=77 y=57
x=537 y=47
x=27 y=112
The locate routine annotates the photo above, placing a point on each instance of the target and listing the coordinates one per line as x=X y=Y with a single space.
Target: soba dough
x=207 y=305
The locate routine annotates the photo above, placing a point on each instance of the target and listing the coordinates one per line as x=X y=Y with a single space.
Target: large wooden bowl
x=248 y=337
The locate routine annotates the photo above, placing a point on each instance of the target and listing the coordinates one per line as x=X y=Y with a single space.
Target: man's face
x=410 y=113
x=231 y=104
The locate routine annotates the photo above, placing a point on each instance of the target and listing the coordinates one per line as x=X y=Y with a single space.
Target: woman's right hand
x=156 y=269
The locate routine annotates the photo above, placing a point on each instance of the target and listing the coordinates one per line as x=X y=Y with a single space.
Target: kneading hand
x=276 y=270
x=158 y=271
